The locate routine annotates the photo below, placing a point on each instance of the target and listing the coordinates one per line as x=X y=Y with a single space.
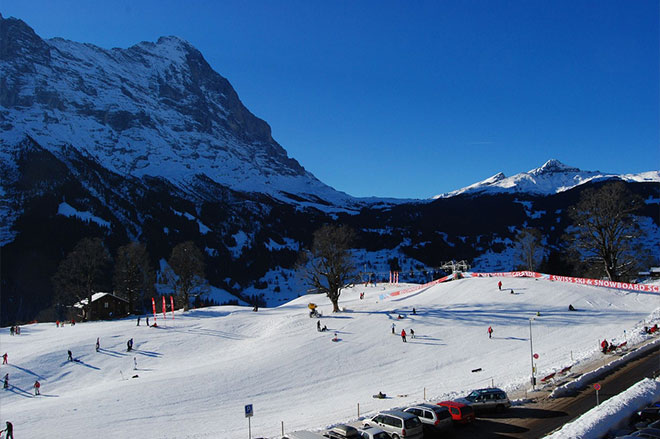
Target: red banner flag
x=153 y=305
x=172 y=304
x=164 y=309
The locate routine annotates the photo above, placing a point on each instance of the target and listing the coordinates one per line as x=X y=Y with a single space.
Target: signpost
x=597 y=387
x=248 y=414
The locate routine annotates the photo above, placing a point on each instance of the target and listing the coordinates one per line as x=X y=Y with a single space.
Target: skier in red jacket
x=403 y=335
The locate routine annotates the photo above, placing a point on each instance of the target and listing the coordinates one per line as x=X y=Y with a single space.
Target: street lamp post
x=531 y=353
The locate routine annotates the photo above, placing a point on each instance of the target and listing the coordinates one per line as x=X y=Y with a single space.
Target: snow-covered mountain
x=154 y=109
x=551 y=178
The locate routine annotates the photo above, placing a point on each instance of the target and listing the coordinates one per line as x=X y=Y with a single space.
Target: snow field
x=196 y=374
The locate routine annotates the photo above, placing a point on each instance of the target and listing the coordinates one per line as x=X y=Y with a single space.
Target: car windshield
x=472 y=396
x=412 y=422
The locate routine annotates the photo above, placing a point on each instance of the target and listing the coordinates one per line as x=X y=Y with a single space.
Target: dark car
x=491 y=398
x=460 y=413
x=342 y=431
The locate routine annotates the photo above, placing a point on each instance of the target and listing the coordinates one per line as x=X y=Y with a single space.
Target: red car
x=460 y=413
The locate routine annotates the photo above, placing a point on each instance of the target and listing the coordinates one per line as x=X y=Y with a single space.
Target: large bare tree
x=328 y=267
x=605 y=231
x=133 y=277
x=529 y=250
x=185 y=274
x=82 y=273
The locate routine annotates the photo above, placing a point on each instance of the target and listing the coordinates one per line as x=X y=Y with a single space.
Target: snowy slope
x=197 y=372
x=551 y=178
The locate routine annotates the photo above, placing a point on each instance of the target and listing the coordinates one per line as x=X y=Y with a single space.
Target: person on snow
x=412 y=333
x=571 y=308
x=138 y=323
x=490 y=332
x=10 y=431
x=499 y=285
x=129 y=345
x=37 y=386
x=98 y=344
x=57 y=323
x=134 y=363
x=393 y=326
x=325 y=328
x=604 y=345
x=6 y=382
x=11 y=330
x=403 y=335
x=318 y=325
x=70 y=356
x=4 y=358
x=147 y=321
x=414 y=312
x=335 y=337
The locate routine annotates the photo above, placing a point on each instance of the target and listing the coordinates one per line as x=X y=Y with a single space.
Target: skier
x=147 y=321
x=499 y=285
x=412 y=333
x=4 y=358
x=11 y=330
x=98 y=344
x=571 y=308
x=403 y=335
x=318 y=325
x=57 y=323
x=325 y=328
x=10 y=431
x=17 y=330
x=604 y=345
x=6 y=383
x=393 y=326
x=512 y=292
x=129 y=345
x=414 y=312
x=134 y=363
x=70 y=356
x=37 y=385
x=490 y=332
x=335 y=337
x=138 y=323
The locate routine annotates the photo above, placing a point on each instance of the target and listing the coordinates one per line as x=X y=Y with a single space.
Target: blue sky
x=411 y=99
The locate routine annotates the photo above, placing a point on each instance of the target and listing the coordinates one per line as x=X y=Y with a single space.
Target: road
x=535 y=420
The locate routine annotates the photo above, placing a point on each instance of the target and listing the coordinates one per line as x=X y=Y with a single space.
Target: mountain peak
x=553 y=166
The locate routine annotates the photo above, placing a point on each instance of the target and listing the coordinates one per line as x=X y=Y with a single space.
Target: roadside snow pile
x=612 y=413
x=585 y=379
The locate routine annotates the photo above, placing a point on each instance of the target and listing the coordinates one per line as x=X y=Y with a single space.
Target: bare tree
x=82 y=272
x=605 y=230
x=133 y=277
x=185 y=274
x=528 y=246
x=328 y=268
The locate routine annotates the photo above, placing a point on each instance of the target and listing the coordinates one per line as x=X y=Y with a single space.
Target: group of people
x=15 y=330
x=61 y=324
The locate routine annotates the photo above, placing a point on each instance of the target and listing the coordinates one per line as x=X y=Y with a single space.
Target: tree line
x=86 y=269
x=600 y=243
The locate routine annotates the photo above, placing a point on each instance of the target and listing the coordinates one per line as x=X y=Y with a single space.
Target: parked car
x=460 y=413
x=433 y=417
x=399 y=425
x=303 y=435
x=487 y=399
x=373 y=433
x=342 y=431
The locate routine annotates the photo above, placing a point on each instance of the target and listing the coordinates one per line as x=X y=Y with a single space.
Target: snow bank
x=612 y=413
x=589 y=377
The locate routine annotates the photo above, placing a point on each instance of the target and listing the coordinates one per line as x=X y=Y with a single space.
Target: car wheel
x=395 y=436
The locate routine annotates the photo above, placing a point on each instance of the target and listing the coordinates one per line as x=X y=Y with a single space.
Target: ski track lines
x=196 y=374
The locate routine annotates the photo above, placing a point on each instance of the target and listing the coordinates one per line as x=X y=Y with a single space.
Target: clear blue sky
x=414 y=98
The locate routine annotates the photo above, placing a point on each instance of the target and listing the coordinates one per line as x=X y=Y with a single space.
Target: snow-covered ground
x=612 y=413
x=195 y=374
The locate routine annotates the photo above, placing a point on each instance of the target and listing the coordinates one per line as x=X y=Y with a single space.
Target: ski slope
x=195 y=374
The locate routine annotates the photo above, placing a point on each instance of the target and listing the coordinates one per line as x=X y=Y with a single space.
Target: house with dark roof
x=105 y=306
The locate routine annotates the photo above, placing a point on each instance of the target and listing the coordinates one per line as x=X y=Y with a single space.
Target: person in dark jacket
x=10 y=431
x=98 y=344
x=6 y=382
x=70 y=355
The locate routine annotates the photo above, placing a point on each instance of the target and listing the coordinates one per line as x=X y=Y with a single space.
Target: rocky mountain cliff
x=149 y=143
